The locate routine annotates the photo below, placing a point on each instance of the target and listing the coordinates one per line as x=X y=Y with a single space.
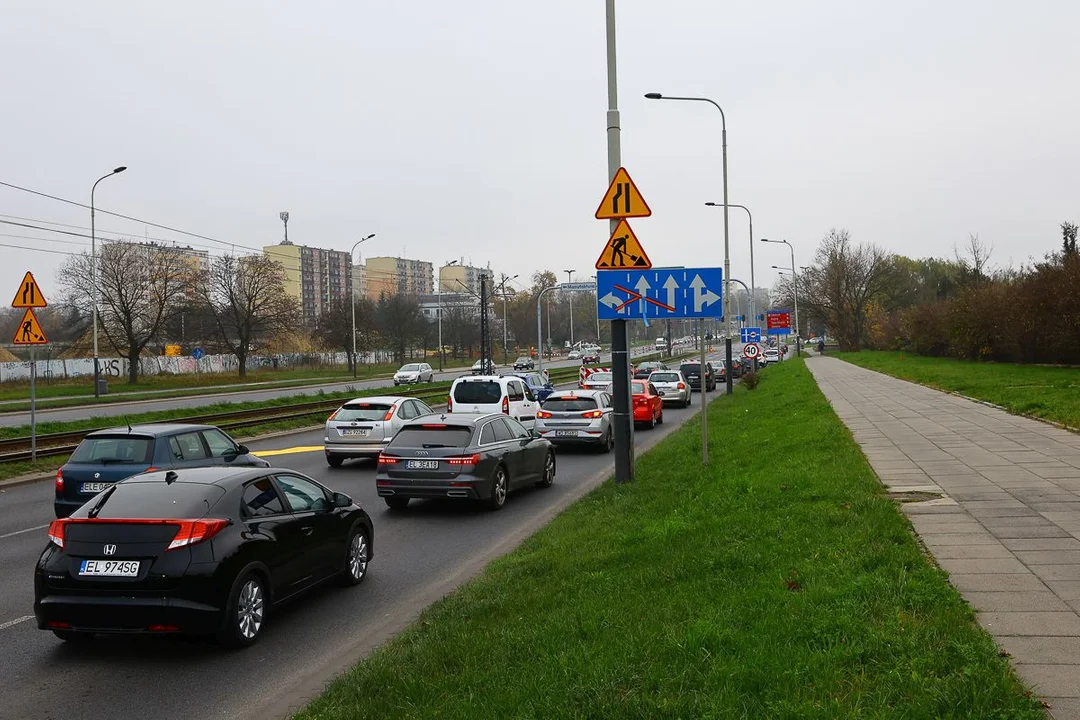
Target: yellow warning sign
x=29 y=294
x=622 y=199
x=29 y=331
x=623 y=251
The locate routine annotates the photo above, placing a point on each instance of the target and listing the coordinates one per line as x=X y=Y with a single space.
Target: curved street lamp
x=352 y=290
x=93 y=277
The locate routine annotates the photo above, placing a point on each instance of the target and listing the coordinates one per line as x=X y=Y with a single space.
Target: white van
x=660 y=344
x=494 y=394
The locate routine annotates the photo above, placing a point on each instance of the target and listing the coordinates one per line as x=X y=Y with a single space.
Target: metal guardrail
x=64 y=443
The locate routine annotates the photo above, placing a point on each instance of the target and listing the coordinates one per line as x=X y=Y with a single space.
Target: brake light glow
x=163 y=628
x=434 y=425
x=593 y=414
x=682 y=386
x=389 y=413
x=60 y=481
x=543 y=414
x=188 y=532
x=385 y=460
x=473 y=459
x=506 y=405
x=57 y=625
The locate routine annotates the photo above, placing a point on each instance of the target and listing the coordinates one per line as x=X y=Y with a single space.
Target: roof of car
x=379 y=399
x=150 y=429
x=481 y=378
x=226 y=477
x=455 y=418
x=574 y=393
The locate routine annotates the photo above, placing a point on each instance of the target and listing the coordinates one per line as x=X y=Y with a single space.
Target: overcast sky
x=476 y=128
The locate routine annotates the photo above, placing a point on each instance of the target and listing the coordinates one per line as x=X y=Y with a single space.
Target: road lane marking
x=20 y=532
x=287 y=451
x=16 y=621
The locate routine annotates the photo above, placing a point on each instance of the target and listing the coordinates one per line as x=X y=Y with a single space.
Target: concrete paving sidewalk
x=1006 y=526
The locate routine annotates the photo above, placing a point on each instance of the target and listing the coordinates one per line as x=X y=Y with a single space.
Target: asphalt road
x=197 y=401
x=421 y=555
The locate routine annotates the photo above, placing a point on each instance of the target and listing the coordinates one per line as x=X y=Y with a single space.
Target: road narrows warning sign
x=622 y=199
x=29 y=294
x=623 y=251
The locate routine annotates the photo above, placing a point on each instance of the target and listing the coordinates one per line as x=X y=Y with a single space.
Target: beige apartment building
x=397 y=276
x=318 y=278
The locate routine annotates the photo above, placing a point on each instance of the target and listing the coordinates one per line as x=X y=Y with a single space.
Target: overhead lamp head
x=120 y=169
x=712 y=204
x=654 y=96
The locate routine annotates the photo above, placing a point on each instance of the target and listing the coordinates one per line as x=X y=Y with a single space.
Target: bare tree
x=247 y=299
x=974 y=259
x=139 y=285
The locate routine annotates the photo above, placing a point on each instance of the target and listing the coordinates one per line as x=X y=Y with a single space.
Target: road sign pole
x=620 y=358
x=704 y=400
x=33 y=405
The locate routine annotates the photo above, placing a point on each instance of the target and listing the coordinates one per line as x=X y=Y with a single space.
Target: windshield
x=410 y=368
x=690 y=368
x=123 y=450
x=599 y=377
x=158 y=499
x=522 y=360
x=484 y=391
x=362 y=411
x=637 y=388
x=664 y=377
x=569 y=403
x=432 y=436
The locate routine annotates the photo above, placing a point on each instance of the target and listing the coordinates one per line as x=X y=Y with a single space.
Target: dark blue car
x=540 y=387
x=108 y=456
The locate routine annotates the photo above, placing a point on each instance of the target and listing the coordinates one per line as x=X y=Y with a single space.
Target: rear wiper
x=101 y=503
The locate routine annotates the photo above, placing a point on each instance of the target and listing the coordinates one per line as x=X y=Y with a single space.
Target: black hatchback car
x=106 y=456
x=463 y=455
x=692 y=372
x=198 y=551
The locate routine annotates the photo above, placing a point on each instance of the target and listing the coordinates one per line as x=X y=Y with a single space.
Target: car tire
x=245 y=611
x=687 y=403
x=660 y=420
x=357 y=552
x=651 y=424
x=396 y=502
x=609 y=442
x=73 y=636
x=334 y=462
x=500 y=486
x=548 y=478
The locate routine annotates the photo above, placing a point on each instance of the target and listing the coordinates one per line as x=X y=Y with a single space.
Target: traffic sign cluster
x=29 y=296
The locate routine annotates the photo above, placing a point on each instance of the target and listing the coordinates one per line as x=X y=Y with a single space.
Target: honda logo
x=109 y=550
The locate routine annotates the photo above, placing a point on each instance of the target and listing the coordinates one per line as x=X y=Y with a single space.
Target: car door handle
x=307 y=529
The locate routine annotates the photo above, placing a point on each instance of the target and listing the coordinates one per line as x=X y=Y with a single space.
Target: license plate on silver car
x=94 y=487
x=358 y=432
x=109 y=568
x=422 y=464
x=566 y=433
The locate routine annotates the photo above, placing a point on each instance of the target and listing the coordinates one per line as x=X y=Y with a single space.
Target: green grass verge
x=1051 y=393
x=750 y=589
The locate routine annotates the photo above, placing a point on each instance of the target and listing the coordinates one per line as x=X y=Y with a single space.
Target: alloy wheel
x=250 y=607
x=358 y=556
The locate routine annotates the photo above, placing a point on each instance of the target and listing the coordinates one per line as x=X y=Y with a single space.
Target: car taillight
x=473 y=459
x=682 y=386
x=151 y=469
x=384 y=460
x=56 y=531
x=333 y=415
x=542 y=414
x=60 y=481
x=389 y=413
x=506 y=405
x=192 y=532
x=449 y=404
x=593 y=414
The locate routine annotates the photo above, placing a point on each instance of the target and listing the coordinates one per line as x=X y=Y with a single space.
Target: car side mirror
x=342 y=500
x=242 y=450
x=534 y=433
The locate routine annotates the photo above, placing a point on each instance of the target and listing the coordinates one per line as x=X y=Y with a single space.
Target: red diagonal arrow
x=633 y=296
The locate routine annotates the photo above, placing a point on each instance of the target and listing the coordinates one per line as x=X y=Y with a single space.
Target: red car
x=648 y=405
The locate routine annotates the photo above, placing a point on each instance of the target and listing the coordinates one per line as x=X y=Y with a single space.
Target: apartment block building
x=460 y=277
x=397 y=276
x=318 y=278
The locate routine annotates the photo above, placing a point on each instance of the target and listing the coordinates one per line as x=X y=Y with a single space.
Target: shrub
x=751 y=380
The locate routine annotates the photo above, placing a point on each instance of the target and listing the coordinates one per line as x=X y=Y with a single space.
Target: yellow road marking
x=289 y=451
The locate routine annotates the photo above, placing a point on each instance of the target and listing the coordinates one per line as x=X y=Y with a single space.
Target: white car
x=414 y=373
x=362 y=427
x=672 y=386
x=505 y=394
x=574 y=355
x=597 y=381
x=772 y=355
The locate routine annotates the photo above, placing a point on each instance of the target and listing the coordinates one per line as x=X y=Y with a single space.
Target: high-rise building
x=397 y=276
x=318 y=278
x=462 y=278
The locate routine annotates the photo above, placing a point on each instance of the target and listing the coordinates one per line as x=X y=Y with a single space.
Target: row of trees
x=960 y=307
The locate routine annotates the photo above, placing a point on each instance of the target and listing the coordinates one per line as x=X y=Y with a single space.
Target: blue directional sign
x=198 y=353
x=750 y=335
x=659 y=294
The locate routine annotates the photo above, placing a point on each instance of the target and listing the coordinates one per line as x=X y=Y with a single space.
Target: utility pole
x=483 y=325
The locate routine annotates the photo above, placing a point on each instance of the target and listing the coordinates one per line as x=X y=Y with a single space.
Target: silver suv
x=672 y=386
x=577 y=417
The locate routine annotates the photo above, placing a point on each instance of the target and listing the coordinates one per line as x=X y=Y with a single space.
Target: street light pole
x=795 y=290
x=727 y=253
x=570 y=279
x=94 y=281
x=753 y=286
x=352 y=295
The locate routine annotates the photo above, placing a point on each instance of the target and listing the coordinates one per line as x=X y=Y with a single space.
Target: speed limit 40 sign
x=751 y=351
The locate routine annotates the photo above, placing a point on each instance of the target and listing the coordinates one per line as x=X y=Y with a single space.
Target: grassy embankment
x=764 y=586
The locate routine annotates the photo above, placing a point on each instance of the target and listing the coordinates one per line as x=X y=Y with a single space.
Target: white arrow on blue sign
x=750 y=335
x=659 y=294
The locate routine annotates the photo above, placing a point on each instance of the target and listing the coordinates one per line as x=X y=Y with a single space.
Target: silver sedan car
x=361 y=428
x=414 y=373
x=577 y=417
x=672 y=386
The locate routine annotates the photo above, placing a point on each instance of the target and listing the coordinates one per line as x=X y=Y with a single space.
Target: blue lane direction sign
x=198 y=353
x=659 y=294
x=750 y=335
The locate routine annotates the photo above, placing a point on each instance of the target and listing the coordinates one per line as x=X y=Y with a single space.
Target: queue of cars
x=178 y=529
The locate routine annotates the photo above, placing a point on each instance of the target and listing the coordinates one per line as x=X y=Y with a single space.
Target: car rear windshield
x=158 y=499
x=569 y=404
x=119 y=449
x=479 y=392
x=637 y=388
x=690 y=368
x=664 y=377
x=410 y=368
x=362 y=411
x=599 y=377
x=432 y=436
